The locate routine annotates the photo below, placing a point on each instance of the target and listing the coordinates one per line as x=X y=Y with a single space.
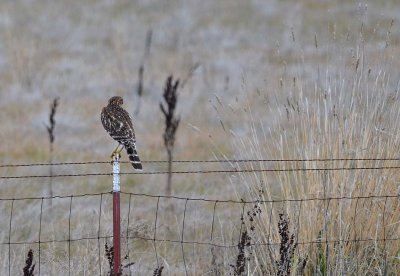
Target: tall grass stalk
x=139 y=88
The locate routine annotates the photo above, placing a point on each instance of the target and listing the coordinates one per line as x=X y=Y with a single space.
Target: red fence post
x=116 y=216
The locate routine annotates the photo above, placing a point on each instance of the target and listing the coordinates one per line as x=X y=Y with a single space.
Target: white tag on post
x=116 y=186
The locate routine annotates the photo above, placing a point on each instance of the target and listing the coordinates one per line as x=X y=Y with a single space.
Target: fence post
x=116 y=216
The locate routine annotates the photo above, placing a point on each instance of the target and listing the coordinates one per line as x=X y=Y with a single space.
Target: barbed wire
x=203 y=161
x=204 y=172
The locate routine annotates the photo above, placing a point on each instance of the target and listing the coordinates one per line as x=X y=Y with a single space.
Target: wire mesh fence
x=199 y=235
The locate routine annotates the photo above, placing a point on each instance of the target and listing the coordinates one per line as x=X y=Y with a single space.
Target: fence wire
x=205 y=172
x=202 y=161
x=157 y=239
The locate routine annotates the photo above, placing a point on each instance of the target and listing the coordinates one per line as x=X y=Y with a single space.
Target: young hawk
x=118 y=124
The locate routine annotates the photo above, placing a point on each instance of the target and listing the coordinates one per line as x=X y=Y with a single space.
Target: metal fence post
x=116 y=216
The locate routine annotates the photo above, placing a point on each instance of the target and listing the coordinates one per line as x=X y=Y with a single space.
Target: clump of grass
x=171 y=123
x=29 y=266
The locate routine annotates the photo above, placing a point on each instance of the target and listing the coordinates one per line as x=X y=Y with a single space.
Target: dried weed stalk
x=110 y=258
x=50 y=130
x=240 y=266
x=29 y=267
x=287 y=247
x=158 y=271
x=171 y=122
x=139 y=88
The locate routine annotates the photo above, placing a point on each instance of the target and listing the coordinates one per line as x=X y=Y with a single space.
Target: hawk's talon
x=116 y=155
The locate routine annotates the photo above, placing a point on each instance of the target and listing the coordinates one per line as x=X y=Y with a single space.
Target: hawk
x=117 y=122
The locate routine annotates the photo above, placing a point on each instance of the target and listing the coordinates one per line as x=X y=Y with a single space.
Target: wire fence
x=183 y=233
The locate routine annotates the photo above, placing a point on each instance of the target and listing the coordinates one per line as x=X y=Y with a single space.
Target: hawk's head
x=116 y=100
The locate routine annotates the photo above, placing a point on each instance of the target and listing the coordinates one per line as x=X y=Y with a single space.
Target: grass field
x=260 y=80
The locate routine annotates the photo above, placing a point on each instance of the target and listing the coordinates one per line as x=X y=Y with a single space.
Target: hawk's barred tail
x=133 y=156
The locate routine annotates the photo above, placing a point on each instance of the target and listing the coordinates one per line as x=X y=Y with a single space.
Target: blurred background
x=84 y=52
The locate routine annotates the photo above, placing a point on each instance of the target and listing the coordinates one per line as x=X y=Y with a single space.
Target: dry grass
x=355 y=120
x=352 y=113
